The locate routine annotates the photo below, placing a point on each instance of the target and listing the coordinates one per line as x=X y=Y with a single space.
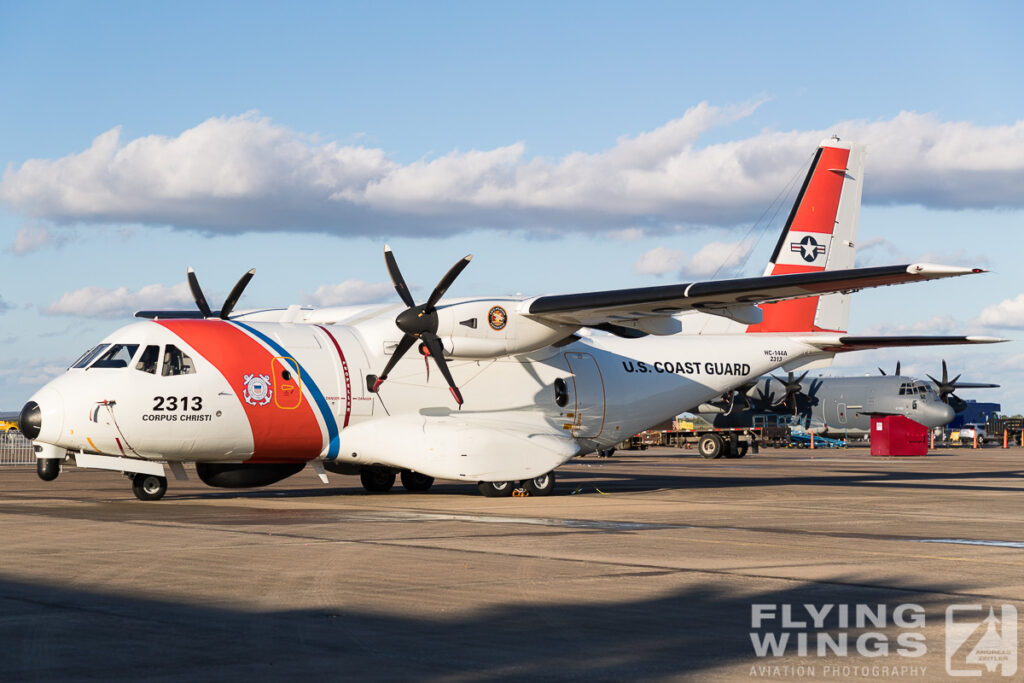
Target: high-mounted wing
x=735 y=299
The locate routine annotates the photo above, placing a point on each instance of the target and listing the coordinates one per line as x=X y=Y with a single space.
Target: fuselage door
x=841 y=409
x=588 y=393
x=287 y=383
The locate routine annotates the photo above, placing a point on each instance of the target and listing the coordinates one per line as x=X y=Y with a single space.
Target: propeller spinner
x=420 y=322
x=793 y=388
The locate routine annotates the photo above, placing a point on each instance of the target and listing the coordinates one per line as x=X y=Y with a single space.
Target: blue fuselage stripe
x=334 y=441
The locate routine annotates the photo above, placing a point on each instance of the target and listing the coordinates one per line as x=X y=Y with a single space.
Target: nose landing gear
x=148 y=486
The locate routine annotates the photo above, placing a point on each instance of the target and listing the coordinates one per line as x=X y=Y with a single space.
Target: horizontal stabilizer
x=843 y=343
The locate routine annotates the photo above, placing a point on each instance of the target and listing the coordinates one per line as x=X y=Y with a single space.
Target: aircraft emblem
x=808 y=248
x=497 y=318
x=257 y=390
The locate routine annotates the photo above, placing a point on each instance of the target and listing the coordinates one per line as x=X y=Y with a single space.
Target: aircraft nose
x=30 y=422
x=947 y=414
x=42 y=418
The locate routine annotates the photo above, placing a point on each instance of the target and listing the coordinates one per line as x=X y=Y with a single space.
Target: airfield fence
x=15 y=449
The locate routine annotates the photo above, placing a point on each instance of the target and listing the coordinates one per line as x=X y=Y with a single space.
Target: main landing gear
x=538 y=486
x=381 y=479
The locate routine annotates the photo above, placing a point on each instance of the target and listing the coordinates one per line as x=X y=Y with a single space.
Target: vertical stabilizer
x=820 y=234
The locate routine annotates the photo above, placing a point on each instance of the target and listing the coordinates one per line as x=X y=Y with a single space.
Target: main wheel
x=497 y=489
x=414 y=481
x=741 y=450
x=377 y=479
x=540 y=486
x=710 y=446
x=149 y=486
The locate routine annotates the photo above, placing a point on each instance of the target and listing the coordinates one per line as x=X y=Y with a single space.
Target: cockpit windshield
x=89 y=356
x=117 y=356
x=913 y=389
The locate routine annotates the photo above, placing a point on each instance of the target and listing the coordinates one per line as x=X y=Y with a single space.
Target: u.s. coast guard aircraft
x=252 y=398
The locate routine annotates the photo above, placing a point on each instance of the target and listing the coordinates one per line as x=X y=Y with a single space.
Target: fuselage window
x=117 y=356
x=149 y=359
x=176 y=362
x=89 y=356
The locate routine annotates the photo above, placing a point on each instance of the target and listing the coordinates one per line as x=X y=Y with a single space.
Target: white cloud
x=246 y=173
x=659 y=261
x=35 y=237
x=349 y=292
x=97 y=302
x=1007 y=313
x=714 y=258
x=35 y=372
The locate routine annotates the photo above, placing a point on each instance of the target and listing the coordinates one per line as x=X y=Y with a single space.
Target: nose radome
x=30 y=422
x=42 y=418
x=947 y=413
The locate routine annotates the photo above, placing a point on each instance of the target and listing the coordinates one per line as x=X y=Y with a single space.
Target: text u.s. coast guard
x=687 y=367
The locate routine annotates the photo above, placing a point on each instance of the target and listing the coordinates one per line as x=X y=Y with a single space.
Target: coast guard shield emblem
x=257 y=390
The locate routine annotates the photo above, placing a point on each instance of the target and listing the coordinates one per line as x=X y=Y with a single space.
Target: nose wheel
x=149 y=486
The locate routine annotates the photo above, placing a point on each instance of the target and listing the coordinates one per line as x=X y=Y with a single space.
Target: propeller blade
x=945 y=375
x=897 y=367
x=396 y=278
x=236 y=294
x=447 y=281
x=403 y=345
x=197 y=294
x=882 y=371
x=436 y=349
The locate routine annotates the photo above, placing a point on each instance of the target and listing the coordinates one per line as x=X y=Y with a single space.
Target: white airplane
x=252 y=398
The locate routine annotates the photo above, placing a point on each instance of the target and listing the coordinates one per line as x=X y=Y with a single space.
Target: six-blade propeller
x=420 y=322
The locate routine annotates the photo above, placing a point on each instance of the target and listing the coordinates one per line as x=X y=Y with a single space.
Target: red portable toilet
x=898 y=435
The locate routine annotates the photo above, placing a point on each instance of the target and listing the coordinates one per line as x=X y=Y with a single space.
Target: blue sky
x=566 y=145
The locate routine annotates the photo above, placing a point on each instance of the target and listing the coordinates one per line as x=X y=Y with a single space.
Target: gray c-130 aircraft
x=841 y=406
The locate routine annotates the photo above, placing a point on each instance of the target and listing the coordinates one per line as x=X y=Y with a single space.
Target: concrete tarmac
x=649 y=565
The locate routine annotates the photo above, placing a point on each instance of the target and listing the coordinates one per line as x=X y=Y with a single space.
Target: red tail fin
x=820 y=234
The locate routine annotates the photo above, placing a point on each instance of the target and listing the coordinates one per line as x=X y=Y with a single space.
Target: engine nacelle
x=240 y=475
x=491 y=328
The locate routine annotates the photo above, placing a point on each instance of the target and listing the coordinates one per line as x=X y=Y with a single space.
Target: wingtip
x=936 y=269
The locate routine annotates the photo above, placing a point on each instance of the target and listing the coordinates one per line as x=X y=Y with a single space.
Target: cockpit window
x=905 y=389
x=117 y=356
x=149 y=359
x=176 y=362
x=922 y=391
x=89 y=356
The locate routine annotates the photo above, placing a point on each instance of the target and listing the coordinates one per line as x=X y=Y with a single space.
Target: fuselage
x=273 y=392
x=842 y=405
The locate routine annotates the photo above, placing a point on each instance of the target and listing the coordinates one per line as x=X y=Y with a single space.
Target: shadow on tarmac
x=60 y=633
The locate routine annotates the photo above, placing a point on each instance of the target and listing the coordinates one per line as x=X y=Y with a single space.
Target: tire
x=416 y=482
x=543 y=485
x=148 y=486
x=710 y=446
x=497 y=489
x=377 y=479
x=741 y=450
